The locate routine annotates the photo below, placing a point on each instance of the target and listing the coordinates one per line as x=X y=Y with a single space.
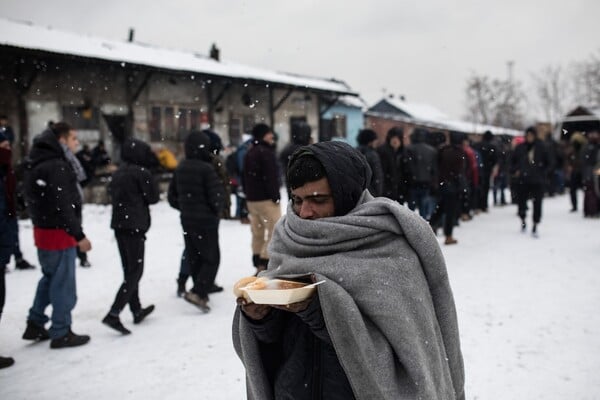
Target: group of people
x=364 y=332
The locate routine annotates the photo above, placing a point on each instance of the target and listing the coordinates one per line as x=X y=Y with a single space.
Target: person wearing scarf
x=383 y=325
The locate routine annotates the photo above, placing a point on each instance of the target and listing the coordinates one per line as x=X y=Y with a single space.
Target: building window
x=82 y=118
x=169 y=132
x=155 y=124
x=172 y=122
x=339 y=125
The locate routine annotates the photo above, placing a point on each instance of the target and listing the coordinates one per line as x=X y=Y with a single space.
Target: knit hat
x=260 y=130
x=366 y=136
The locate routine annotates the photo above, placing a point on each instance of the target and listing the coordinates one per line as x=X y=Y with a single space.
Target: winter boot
x=214 y=288
x=180 y=287
x=114 y=322
x=35 y=332
x=450 y=240
x=534 y=232
x=6 y=362
x=21 y=263
x=69 y=340
x=201 y=303
x=143 y=313
x=85 y=264
x=523 y=226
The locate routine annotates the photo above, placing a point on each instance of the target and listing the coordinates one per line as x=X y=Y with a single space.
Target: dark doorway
x=117 y=124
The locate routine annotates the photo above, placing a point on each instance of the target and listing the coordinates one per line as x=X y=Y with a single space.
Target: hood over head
x=45 y=147
x=347 y=170
x=135 y=151
x=456 y=138
x=301 y=133
x=197 y=146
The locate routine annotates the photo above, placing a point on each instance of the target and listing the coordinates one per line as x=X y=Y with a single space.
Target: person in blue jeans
x=55 y=205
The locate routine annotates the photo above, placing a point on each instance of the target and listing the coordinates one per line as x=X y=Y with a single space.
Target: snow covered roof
x=428 y=115
x=352 y=101
x=28 y=36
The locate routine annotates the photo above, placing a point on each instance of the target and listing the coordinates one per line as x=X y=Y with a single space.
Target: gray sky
x=423 y=50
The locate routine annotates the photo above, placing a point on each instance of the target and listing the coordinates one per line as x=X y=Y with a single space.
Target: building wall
x=354 y=120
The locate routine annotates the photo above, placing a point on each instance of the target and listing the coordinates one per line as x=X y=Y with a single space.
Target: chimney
x=215 y=52
x=131 y=33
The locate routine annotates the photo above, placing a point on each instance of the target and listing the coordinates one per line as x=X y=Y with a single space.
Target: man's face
x=313 y=200
x=269 y=138
x=395 y=142
x=530 y=137
x=70 y=141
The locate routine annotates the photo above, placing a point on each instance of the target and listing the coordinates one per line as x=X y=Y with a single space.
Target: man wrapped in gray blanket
x=382 y=326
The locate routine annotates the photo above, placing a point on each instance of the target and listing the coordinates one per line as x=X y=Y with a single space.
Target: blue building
x=343 y=120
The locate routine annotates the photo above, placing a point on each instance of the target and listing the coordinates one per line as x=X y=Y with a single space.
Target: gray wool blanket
x=387 y=302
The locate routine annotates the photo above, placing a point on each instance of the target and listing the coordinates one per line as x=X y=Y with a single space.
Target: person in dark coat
x=133 y=189
x=489 y=160
x=197 y=192
x=300 y=137
x=589 y=162
x=452 y=162
x=85 y=159
x=54 y=202
x=574 y=168
x=529 y=167
x=261 y=185
x=366 y=145
x=394 y=163
x=422 y=161
x=7 y=212
x=100 y=157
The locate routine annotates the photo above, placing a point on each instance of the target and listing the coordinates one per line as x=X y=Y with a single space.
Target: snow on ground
x=528 y=314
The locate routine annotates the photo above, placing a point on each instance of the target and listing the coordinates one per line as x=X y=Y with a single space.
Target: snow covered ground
x=528 y=313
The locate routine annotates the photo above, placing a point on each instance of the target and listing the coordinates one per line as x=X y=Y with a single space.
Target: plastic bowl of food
x=280 y=292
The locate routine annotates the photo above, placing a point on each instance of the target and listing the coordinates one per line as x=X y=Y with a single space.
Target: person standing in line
x=452 y=162
x=300 y=137
x=469 y=196
x=133 y=189
x=261 y=185
x=366 y=145
x=54 y=203
x=577 y=142
x=489 y=160
x=7 y=212
x=394 y=165
x=422 y=160
x=529 y=167
x=591 y=201
x=197 y=192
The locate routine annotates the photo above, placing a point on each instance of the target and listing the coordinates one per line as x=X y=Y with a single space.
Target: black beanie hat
x=260 y=130
x=366 y=136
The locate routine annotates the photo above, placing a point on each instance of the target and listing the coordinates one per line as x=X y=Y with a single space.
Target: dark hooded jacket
x=196 y=190
x=300 y=137
x=530 y=163
x=133 y=188
x=51 y=192
x=422 y=160
x=296 y=348
x=261 y=173
x=394 y=164
x=452 y=162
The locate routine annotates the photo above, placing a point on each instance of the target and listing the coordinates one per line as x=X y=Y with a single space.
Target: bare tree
x=480 y=98
x=495 y=101
x=551 y=89
x=586 y=81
